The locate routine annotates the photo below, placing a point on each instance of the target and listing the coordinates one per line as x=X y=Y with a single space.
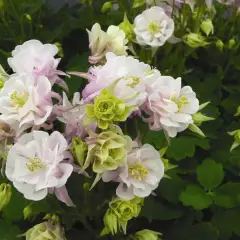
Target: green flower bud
x=127 y=27
x=79 y=150
x=27 y=212
x=238 y=112
x=108 y=150
x=138 y=3
x=146 y=235
x=45 y=231
x=199 y=118
x=106 y=7
x=110 y=223
x=107 y=109
x=231 y=43
x=5 y=194
x=207 y=26
x=195 y=40
x=125 y=210
x=219 y=45
x=236 y=135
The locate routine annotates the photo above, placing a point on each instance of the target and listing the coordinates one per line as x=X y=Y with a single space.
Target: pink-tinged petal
x=66 y=170
x=110 y=176
x=124 y=192
x=62 y=195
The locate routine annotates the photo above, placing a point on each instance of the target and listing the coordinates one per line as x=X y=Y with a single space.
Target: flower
x=107 y=150
x=146 y=235
x=195 y=40
x=140 y=175
x=38 y=59
x=45 y=231
x=114 y=40
x=153 y=27
x=170 y=107
x=107 y=109
x=119 y=213
x=24 y=103
x=128 y=74
x=5 y=194
x=35 y=165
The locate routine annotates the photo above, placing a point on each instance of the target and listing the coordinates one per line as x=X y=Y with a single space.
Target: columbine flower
x=114 y=40
x=170 y=107
x=106 y=110
x=153 y=27
x=35 y=165
x=38 y=59
x=128 y=74
x=23 y=103
x=140 y=175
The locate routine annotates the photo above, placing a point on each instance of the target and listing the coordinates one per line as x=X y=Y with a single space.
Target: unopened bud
x=219 y=45
x=107 y=6
x=110 y=223
x=27 y=212
x=127 y=27
x=195 y=40
x=146 y=235
x=5 y=194
x=138 y=3
x=231 y=43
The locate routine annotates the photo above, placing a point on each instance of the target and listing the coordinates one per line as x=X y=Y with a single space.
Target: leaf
x=138 y=3
x=156 y=210
x=14 y=210
x=210 y=174
x=9 y=231
x=195 y=197
x=184 y=146
x=155 y=138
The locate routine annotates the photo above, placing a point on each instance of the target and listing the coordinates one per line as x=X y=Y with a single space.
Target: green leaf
x=195 y=197
x=138 y=3
x=9 y=231
x=184 y=146
x=210 y=174
x=156 y=210
x=155 y=138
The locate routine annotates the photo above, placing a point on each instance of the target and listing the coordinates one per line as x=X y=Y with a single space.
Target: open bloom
x=129 y=76
x=38 y=59
x=170 y=107
x=140 y=175
x=35 y=165
x=24 y=103
x=114 y=40
x=153 y=27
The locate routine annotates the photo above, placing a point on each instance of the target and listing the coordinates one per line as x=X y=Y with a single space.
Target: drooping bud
x=5 y=194
x=219 y=45
x=195 y=40
x=110 y=223
x=231 y=43
x=146 y=235
x=106 y=7
x=207 y=26
x=236 y=135
x=127 y=27
x=79 y=150
x=45 y=231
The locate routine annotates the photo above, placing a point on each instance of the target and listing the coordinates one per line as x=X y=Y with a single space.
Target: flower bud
x=138 y=3
x=27 y=212
x=5 y=194
x=106 y=7
x=45 y=231
x=195 y=40
x=146 y=235
x=231 y=43
x=236 y=135
x=79 y=150
x=219 y=45
x=110 y=223
x=127 y=27
x=207 y=26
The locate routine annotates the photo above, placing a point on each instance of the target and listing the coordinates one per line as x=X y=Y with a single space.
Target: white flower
x=153 y=27
x=35 y=165
x=114 y=40
x=24 y=103
x=170 y=107
x=140 y=175
x=36 y=58
x=129 y=75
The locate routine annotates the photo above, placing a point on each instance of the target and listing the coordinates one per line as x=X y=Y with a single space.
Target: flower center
x=153 y=27
x=19 y=99
x=35 y=164
x=133 y=81
x=138 y=171
x=148 y=72
x=104 y=106
x=181 y=102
